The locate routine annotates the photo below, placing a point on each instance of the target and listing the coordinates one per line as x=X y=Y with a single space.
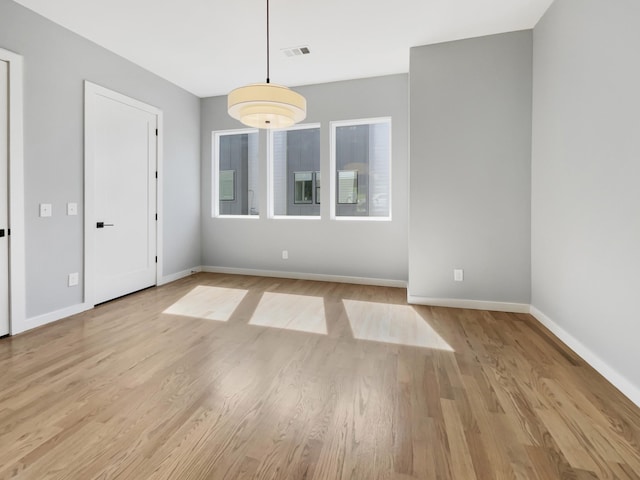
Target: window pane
x=347 y=186
x=227 y=185
x=303 y=187
x=237 y=160
x=363 y=166
x=296 y=160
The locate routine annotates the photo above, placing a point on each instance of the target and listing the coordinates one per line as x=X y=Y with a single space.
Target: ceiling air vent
x=296 y=51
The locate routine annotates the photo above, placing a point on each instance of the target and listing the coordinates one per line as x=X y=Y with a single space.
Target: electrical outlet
x=285 y=254
x=46 y=210
x=73 y=279
x=458 y=275
x=72 y=208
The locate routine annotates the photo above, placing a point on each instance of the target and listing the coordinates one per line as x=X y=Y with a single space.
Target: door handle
x=102 y=225
x=1 y=232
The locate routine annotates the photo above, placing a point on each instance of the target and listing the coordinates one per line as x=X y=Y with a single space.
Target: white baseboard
x=380 y=282
x=178 y=275
x=40 y=320
x=473 y=304
x=631 y=391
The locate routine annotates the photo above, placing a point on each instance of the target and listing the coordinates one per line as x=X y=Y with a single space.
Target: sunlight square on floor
x=302 y=313
x=388 y=323
x=210 y=303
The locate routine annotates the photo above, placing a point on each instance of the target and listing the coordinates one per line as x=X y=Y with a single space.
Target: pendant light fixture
x=266 y=105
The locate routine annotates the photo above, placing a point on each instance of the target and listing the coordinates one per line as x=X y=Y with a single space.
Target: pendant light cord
x=267 y=41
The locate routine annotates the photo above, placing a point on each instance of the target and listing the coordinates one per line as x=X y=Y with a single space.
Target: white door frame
x=17 y=282
x=91 y=90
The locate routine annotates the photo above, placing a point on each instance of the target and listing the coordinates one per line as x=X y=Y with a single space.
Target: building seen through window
x=236 y=172
x=362 y=158
x=296 y=171
x=360 y=171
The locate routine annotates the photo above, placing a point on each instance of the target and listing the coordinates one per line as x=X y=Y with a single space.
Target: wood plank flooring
x=182 y=382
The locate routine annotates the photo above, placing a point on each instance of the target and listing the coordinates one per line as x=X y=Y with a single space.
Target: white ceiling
x=209 y=47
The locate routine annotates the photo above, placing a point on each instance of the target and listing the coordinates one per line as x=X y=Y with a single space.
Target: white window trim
x=332 y=167
x=215 y=168
x=244 y=217
x=270 y=171
x=296 y=217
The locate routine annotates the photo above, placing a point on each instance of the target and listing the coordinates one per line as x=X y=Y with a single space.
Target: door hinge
x=156 y=217
x=8 y=231
x=156 y=174
x=156 y=132
x=156 y=258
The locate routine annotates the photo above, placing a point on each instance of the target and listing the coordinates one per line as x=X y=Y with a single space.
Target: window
x=235 y=173
x=295 y=166
x=361 y=162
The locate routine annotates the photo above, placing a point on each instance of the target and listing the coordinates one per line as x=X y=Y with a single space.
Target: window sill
x=251 y=217
x=295 y=217
x=362 y=219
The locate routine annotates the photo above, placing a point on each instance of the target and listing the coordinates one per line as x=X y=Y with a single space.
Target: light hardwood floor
x=230 y=377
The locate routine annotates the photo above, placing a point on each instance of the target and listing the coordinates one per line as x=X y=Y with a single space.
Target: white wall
x=56 y=64
x=470 y=103
x=368 y=249
x=586 y=177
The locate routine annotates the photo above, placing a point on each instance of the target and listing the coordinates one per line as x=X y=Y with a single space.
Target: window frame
x=333 y=171
x=271 y=171
x=215 y=169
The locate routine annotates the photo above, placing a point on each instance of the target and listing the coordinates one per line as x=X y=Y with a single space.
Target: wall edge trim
x=628 y=389
x=172 y=277
x=46 y=318
x=321 y=277
x=472 y=304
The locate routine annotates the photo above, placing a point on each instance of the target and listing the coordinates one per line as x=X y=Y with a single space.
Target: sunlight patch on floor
x=211 y=303
x=397 y=324
x=292 y=312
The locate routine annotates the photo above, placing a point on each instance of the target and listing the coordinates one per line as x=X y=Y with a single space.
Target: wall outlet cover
x=46 y=210
x=72 y=208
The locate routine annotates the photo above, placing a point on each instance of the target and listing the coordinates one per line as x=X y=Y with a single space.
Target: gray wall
x=56 y=64
x=372 y=249
x=586 y=172
x=470 y=168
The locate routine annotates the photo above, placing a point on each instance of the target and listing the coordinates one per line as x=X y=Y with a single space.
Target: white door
x=4 y=198
x=124 y=156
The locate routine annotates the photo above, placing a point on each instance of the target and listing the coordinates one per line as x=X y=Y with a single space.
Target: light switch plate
x=73 y=279
x=45 y=210
x=458 y=275
x=72 y=208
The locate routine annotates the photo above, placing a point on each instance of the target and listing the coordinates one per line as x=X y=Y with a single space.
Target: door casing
x=17 y=281
x=91 y=90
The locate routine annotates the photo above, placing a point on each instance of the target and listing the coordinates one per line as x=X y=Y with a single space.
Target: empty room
x=278 y=239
